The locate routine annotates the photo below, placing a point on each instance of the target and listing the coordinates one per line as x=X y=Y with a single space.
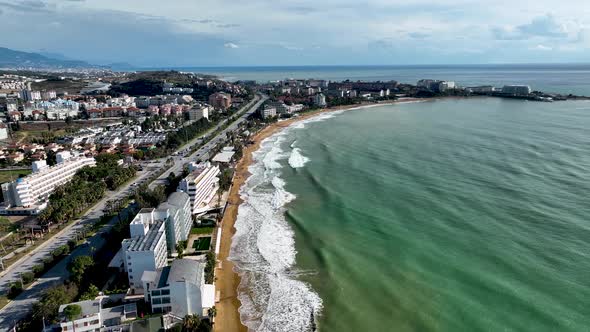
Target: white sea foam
x=263 y=249
x=296 y=159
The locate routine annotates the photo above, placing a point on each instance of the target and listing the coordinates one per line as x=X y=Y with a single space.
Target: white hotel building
x=154 y=235
x=29 y=195
x=146 y=249
x=201 y=185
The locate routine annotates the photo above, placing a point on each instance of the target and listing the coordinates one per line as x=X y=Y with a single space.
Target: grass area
x=7 y=176
x=202 y=244
x=27 y=136
x=202 y=230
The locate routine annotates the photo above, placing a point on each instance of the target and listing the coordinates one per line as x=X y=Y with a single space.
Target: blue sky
x=300 y=32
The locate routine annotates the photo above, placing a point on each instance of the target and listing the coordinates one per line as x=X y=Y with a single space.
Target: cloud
x=543 y=26
x=28 y=6
x=227 y=26
x=541 y=47
x=230 y=45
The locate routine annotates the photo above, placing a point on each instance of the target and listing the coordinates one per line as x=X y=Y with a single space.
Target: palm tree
x=191 y=323
x=212 y=312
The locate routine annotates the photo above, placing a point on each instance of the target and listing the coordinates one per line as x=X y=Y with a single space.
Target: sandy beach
x=227 y=281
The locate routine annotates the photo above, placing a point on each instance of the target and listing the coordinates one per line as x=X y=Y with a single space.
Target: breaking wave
x=263 y=248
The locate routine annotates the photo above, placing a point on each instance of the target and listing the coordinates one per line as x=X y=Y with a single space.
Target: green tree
x=50 y=301
x=78 y=268
x=191 y=323
x=90 y=294
x=180 y=247
x=72 y=311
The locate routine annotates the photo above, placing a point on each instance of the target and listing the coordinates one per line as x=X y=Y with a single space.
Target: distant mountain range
x=18 y=59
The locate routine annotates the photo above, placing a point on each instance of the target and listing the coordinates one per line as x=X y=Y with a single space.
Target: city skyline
x=221 y=33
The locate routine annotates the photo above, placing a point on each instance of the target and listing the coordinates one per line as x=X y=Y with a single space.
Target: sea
x=443 y=215
x=554 y=78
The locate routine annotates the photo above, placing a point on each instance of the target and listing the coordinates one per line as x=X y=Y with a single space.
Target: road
x=21 y=305
x=203 y=152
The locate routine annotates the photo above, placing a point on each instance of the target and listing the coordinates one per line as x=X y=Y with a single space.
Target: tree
x=50 y=301
x=212 y=312
x=90 y=294
x=191 y=323
x=78 y=267
x=180 y=246
x=72 y=311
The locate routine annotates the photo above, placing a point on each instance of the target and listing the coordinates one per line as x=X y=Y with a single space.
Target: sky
x=180 y=33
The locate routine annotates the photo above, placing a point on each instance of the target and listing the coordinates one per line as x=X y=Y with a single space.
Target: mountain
x=17 y=59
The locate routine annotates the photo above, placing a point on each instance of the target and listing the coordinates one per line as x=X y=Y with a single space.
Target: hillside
x=17 y=59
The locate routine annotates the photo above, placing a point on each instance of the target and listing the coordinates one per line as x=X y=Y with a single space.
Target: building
x=179 y=289
x=198 y=113
x=94 y=317
x=482 y=89
x=520 y=90
x=320 y=100
x=32 y=191
x=179 y=221
x=446 y=85
x=268 y=112
x=427 y=84
x=201 y=185
x=220 y=100
x=146 y=250
x=3 y=131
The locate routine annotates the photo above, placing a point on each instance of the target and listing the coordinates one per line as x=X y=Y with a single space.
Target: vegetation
x=225 y=179
x=11 y=175
x=193 y=323
x=78 y=267
x=148 y=198
x=48 y=305
x=72 y=311
x=202 y=230
x=88 y=186
x=210 y=268
x=180 y=247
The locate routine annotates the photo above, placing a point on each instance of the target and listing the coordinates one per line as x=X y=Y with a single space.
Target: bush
x=38 y=269
x=47 y=261
x=15 y=289
x=28 y=277
x=72 y=244
x=72 y=311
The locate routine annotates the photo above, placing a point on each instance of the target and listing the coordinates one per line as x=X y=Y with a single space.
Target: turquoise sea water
x=454 y=215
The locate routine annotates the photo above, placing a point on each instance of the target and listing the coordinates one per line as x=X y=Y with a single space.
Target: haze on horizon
x=178 y=33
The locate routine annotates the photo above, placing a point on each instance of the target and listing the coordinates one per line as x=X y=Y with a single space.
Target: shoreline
x=227 y=280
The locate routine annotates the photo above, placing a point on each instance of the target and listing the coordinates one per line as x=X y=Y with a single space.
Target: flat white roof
x=208 y=296
x=224 y=157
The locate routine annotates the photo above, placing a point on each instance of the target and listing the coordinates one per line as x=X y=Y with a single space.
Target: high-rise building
x=521 y=90
x=320 y=100
x=201 y=185
x=146 y=249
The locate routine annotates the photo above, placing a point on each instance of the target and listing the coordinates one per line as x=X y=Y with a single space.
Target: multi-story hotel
x=28 y=195
x=146 y=249
x=201 y=185
x=154 y=235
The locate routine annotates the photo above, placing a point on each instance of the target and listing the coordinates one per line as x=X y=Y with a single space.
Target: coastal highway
x=21 y=305
x=203 y=152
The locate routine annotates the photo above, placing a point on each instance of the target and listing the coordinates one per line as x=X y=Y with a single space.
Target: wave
x=263 y=249
x=296 y=159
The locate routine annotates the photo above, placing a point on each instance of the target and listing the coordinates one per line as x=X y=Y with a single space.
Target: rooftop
x=147 y=242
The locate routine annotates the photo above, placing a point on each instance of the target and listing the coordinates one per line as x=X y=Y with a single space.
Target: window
x=94 y=322
x=165 y=292
x=165 y=300
x=156 y=301
x=157 y=310
x=167 y=309
x=130 y=277
x=155 y=293
x=130 y=270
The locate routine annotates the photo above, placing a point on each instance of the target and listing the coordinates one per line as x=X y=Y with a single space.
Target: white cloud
x=230 y=45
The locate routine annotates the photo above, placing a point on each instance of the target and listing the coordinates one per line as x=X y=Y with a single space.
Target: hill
x=18 y=59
